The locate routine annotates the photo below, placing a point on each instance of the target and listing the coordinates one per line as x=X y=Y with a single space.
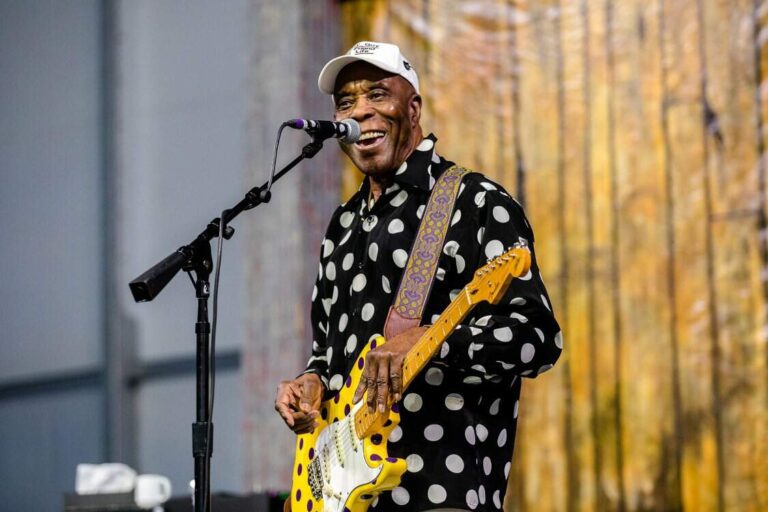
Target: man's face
x=388 y=110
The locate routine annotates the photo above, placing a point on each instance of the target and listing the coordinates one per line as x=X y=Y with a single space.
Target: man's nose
x=361 y=110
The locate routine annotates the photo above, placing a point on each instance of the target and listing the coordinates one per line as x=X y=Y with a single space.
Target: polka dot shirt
x=458 y=417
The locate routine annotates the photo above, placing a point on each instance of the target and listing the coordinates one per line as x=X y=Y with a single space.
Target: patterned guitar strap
x=419 y=274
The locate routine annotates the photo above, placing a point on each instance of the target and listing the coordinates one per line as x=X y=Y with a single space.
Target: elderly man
x=458 y=417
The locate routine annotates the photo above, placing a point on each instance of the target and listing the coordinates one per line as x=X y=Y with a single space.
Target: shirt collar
x=417 y=168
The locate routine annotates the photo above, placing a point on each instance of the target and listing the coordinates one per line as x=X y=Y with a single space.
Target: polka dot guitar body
x=343 y=465
x=337 y=469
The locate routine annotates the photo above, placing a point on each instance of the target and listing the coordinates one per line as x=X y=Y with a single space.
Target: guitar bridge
x=315 y=474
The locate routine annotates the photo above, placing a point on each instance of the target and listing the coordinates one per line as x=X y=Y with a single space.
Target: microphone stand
x=195 y=257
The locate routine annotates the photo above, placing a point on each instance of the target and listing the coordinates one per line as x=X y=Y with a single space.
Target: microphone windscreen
x=353 y=131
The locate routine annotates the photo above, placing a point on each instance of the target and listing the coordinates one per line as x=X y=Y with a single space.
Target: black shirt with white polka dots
x=458 y=417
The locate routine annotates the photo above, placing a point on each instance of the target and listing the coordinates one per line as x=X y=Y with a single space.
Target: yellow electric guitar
x=343 y=465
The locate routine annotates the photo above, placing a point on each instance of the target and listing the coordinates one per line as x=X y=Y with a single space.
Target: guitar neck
x=420 y=354
x=489 y=284
x=430 y=342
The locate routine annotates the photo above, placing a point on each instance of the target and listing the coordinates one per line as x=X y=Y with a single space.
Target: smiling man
x=458 y=416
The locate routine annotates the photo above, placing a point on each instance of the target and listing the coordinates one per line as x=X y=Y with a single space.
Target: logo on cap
x=407 y=66
x=365 y=48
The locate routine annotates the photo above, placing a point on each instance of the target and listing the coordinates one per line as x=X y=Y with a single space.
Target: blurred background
x=631 y=130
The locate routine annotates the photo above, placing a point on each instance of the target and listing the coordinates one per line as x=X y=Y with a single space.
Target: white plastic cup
x=152 y=490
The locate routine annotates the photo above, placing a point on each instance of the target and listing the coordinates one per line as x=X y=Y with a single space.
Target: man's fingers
x=285 y=413
x=368 y=381
x=304 y=422
x=370 y=384
x=396 y=377
x=376 y=381
x=286 y=396
x=382 y=385
x=309 y=392
x=396 y=385
x=306 y=429
x=362 y=386
x=359 y=390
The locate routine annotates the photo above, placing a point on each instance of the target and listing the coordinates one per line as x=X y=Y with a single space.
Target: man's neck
x=378 y=184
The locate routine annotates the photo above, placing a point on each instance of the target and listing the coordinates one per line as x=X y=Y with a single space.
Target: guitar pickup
x=352 y=435
x=338 y=443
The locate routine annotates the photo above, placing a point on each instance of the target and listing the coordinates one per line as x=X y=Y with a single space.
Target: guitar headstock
x=492 y=280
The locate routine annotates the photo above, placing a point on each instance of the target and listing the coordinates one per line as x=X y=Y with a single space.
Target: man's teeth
x=371 y=135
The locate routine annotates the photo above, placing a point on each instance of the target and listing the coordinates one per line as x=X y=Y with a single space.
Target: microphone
x=347 y=130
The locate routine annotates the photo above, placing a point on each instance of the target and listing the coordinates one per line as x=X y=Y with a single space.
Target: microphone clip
x=312 y=148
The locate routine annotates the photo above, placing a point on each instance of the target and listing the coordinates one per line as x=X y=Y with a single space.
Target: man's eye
x=343 y=105
x=376 y=95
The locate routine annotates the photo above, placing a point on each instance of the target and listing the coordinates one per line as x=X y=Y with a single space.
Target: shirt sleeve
x=519 y=335
x=318 y=361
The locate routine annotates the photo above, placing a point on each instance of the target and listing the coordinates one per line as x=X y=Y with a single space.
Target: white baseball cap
x=382 y=55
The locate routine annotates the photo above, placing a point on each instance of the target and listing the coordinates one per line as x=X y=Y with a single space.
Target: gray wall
x=105 y=169
x=50 y=248
x=180 y=143
x=51 y=183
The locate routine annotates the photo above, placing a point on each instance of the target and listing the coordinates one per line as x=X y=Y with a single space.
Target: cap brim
x=327 y=79
x=326 y=82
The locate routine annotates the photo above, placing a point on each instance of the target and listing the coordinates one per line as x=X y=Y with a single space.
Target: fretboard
x=417 y=358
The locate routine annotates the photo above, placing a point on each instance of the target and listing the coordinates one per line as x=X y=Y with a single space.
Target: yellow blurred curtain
x=632 y=132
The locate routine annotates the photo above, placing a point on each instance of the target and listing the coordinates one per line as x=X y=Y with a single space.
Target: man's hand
x=383 y=373
x=298 y=402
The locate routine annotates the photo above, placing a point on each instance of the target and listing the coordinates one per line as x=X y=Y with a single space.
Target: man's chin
x=374 y=167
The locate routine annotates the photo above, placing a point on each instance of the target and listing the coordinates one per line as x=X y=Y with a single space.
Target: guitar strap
x=419 y=274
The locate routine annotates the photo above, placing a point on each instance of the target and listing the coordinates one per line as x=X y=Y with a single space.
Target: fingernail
x=381 y=407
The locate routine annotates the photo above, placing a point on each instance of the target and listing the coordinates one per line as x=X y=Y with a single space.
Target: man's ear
x=414 y=106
